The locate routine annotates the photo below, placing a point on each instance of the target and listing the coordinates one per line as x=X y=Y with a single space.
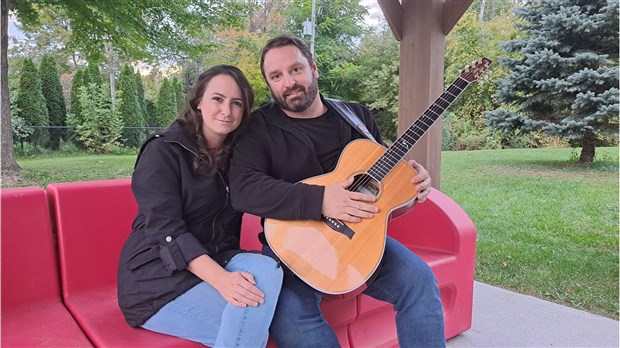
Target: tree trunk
x=111 y=72
x=481 y=13
x=10 y=169
x=588 y=148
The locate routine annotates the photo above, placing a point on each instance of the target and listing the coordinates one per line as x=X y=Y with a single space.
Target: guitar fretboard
x=384 y=165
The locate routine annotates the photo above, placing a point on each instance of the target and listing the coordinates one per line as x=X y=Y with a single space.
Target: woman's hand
x=237 y=288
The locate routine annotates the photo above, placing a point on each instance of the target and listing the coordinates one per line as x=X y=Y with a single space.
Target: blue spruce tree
x=565 y=81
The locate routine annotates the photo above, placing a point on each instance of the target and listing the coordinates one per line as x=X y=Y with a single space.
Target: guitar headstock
x=473 y=72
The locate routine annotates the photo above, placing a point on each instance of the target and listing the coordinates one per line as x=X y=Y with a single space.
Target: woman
x=181 y=272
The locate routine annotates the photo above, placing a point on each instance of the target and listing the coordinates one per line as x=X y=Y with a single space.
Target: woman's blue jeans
x=202 y=315
x=403 y=279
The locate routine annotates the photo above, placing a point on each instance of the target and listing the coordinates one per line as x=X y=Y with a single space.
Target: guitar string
x=423 y=119
x=436 y=105
x=393 y=160
x=453 y=91
x=408 y=135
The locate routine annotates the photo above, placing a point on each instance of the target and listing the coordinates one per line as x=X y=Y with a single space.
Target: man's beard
x=301 y=103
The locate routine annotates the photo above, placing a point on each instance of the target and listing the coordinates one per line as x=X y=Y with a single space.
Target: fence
x=53 y=137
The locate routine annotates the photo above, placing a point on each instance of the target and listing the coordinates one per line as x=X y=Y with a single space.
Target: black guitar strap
x=350 y=116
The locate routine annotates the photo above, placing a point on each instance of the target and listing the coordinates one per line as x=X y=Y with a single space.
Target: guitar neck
x=382 y=167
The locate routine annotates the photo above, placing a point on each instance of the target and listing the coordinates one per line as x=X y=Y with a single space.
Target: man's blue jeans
x=403 y=279
x=202 y=315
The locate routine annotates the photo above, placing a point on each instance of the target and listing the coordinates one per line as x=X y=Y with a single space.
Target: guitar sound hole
x=363 y=183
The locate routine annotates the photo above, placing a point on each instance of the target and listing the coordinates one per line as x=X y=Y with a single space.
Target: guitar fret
x=384 y=165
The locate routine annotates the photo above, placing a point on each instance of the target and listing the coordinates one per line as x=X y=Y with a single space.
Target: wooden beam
x=393 y=11
x=422 y=51
x=452 y=12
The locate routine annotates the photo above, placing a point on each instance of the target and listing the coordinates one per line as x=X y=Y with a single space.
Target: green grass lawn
x=546 y=226
x=41 y=171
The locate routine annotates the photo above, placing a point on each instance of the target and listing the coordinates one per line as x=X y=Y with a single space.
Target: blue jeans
x=202 y=315
x=403 y=279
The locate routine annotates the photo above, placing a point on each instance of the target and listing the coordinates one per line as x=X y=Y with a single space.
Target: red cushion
x=32 y=313
x=93 y=220
x=442 y=234
x=104 y=324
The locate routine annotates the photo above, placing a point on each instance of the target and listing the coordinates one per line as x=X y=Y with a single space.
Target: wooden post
x=421 y=77
x=421 y=27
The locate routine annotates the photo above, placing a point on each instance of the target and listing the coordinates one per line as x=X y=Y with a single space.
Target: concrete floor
x=503 y=318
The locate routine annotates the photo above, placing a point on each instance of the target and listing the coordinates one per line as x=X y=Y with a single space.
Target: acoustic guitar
x=335 y=257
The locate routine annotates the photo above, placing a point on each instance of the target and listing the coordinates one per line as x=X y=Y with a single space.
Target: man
x=300 y=136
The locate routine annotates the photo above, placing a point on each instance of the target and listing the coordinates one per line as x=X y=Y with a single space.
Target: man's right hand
x=342 y=204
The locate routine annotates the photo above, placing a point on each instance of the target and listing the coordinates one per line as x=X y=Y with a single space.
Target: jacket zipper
x=225 y=202
x=219 y=212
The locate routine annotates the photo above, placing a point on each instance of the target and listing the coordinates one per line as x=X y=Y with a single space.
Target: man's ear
x=315 y=70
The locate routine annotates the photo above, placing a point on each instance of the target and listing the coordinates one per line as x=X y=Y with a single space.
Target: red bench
x=32 y=312
x=94 y=218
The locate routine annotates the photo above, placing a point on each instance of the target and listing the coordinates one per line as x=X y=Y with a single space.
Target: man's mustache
x=294 y=89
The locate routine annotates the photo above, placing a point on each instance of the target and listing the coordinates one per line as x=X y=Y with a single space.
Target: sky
x=13 y=31
x=374 y=11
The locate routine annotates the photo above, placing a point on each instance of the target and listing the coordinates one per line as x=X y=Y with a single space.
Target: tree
x=74 y=101
x=136 y=29
x=94 y=74
x=339 y=28
x=54 y=99
x=129 y=108
x=10 y=169
x=51 y=36
x=191 y=71
x=31 y=102
x=379 y=60
x=166 y=104
x=141 y=100
x=179 y=96
x=565 y=81
x=102 y=125
x=465 y=126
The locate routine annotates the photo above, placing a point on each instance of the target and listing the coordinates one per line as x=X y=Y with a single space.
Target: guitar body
x=337 y=262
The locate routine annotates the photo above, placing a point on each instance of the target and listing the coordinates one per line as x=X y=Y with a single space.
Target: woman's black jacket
x=180 y=217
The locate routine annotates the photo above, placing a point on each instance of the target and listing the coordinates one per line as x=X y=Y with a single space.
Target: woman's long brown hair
x=191 y=120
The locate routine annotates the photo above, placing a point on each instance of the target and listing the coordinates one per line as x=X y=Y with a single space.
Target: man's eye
x=276 y=77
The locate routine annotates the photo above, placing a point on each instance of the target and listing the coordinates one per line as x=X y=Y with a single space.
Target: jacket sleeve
x=156 y=184
x=255 y=190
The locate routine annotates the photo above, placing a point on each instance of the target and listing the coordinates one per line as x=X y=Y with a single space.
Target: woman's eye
x=217 y=99
x=238 y=104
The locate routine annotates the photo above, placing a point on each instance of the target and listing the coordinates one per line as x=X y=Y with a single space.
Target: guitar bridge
x=338 y=226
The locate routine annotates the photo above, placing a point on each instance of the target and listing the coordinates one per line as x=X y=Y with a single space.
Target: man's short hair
x=281 y=41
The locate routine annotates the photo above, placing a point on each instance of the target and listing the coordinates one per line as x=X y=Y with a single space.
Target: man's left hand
x=422 y=180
